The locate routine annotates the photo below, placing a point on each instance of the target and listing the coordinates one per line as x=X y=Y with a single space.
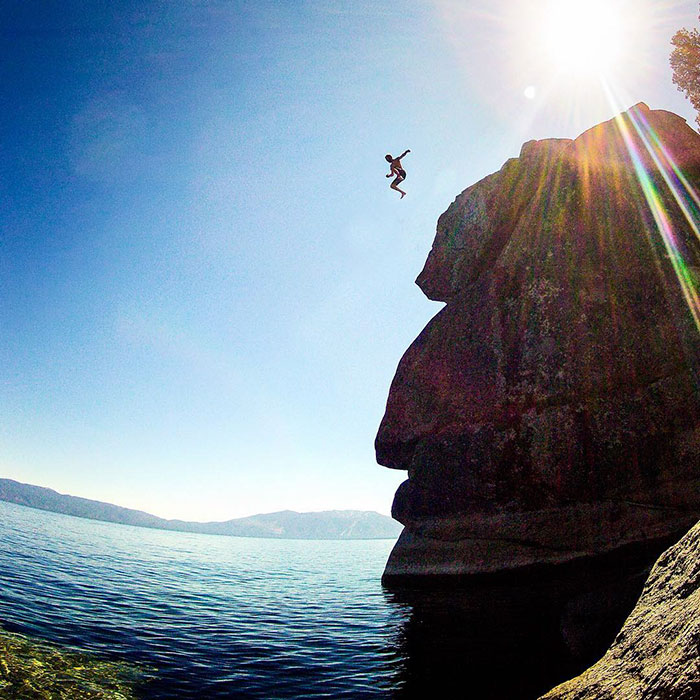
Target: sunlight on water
x=202 y=616
x=215 y=616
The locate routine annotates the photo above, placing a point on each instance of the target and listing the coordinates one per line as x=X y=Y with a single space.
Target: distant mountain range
x=287 y=524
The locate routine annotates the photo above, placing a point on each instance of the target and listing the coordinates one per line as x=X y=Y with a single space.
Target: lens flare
x=582 y=37
x=682 y=191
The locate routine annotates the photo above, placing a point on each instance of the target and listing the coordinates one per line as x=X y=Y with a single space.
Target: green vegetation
x=685 y=63
x=30 y=670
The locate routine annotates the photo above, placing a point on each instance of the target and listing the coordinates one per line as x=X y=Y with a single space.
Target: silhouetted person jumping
x=396 y=169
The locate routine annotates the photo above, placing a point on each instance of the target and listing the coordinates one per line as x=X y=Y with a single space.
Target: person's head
x=388 y=158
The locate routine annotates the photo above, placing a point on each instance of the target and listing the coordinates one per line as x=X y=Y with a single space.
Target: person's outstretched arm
x=408 y=150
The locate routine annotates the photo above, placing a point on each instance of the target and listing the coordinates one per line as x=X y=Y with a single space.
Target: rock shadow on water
x=513 y=636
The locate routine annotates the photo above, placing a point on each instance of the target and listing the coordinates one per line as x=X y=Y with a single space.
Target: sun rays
x=588 y=40
x=634 y=123
x=538 y=58
x=570 y=64
x=582 y=39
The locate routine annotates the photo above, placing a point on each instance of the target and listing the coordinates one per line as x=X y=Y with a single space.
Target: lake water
x=217 y=617
x=225 y=617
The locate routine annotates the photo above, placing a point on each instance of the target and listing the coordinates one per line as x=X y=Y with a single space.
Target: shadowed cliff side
x=514 y=635
x=655 y=655
x=550 y=411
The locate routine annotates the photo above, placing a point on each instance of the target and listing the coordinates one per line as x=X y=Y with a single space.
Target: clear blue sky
x=205 y=282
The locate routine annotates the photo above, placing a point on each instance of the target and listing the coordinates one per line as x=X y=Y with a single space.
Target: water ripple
x=216 y=617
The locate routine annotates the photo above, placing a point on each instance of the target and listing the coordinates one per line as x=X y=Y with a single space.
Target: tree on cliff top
x=685 y=63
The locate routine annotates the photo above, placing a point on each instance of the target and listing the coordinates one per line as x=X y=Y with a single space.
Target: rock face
x=551 y=410
x=657 y=652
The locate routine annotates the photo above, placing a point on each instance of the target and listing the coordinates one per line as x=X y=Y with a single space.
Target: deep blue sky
x=206 y=284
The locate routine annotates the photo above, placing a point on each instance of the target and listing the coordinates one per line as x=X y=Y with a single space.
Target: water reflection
x=514 y=638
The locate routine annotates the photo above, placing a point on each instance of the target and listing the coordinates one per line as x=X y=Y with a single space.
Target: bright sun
x=583 y=37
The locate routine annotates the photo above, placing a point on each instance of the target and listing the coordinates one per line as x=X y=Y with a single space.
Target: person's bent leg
x=395 y=186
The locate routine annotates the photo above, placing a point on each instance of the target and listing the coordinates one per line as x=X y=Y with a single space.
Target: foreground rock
x=657 y=652
x=550 y=411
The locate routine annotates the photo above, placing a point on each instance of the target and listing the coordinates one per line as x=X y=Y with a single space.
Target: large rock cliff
x=550 y=411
